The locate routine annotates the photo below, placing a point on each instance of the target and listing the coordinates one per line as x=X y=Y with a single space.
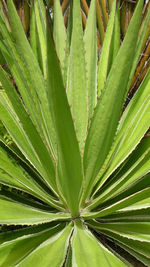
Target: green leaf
x=133 y=125
x=69 y=169
x=18 y=213
x=139 y=185
x=14 y=175
x=133 y=237
x=59 y=33
x=142 y=248
x=2 y=59
x=11 y=173
x=127 y=201
x=136 y=167
x=87 y=251
x=139 y=46
x=141 y=215
x=40 y=15
x=138 y=256
x=45 y=254
x=11 y=122
x=68 y=261
x=15 y=251
x=115 y=42
x=90 y=44
x=104 y=125
x=34 y=38
x=105 y=53
x=77 y=85
x=68 y=43
x=40 y=150
x=38 y=84
x=139 y=231
x=21 y=76
x=7 y=236
x=3 y=16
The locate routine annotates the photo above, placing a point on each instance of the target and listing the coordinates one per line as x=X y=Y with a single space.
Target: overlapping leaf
x=77 y=87
x=59 y=33
x=107 y=113
x=133 y=125
x=38 y=248
x=90 y=44
x=44 y=180
x=69 y=167
x=86 y=251
x=18 y=213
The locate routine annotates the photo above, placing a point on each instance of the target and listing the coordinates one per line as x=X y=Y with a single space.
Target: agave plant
x=74 y=161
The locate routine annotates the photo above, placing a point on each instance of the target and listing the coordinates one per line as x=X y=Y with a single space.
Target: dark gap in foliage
x=29 y=229
x=25 y=198
x=68 y=258
x=9 y=228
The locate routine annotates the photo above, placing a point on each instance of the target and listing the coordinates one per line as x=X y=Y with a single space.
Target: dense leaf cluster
x=74 y=157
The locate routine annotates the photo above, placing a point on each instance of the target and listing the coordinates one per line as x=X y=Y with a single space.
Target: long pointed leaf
x=37 y=80
x=9 y=119
x=115 y=42
x=14 y=251
x=123 y=203
x=14 y=175
x=21 y=214
x=34 y=38
x=133 y=125
x=139 y=46
x=134 y=238
x=69 y=170
x=40 y=15
x=59 y=33
x=103 y=66
x=90 y=43
x=30 y=130
x=77 y=85
x=46 y=253
x=107 y=113
x=138 y=246
x=138 y=166
x=87 y=251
